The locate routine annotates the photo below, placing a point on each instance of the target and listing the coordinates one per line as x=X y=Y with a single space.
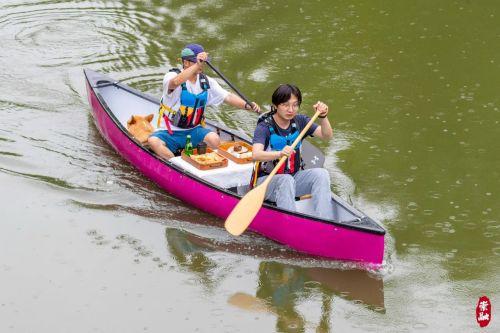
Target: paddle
x=244 y=212
x=249 y=302
x=229 y=83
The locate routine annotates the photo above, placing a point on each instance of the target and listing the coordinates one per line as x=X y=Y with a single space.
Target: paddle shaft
x=294 y=144
x=228 y=83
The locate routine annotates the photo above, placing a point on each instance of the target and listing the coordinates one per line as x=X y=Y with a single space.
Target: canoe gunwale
x=362 y=224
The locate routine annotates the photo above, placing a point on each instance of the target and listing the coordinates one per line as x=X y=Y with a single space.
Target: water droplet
x=429 y=233
x=420 y=326
x=412 y=206
x=92 y=232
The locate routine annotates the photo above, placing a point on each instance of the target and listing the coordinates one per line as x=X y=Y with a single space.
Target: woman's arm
x=259 y=154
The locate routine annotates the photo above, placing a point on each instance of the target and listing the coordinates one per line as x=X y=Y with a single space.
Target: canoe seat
x=303 y=204
x=303 y=197
x=244 y=189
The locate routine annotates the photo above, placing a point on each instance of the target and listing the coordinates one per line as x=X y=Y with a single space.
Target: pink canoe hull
x=303 y=234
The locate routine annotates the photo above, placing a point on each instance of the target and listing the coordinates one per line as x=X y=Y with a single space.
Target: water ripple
x=47 y=179
x=48 y=31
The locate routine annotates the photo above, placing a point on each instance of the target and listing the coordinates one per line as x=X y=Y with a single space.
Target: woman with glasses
x=273 y=136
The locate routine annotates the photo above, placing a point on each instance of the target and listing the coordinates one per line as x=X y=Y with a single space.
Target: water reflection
x=281 y=287
x=190 y=256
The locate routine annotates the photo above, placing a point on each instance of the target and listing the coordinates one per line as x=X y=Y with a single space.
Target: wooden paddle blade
x=244 y=212
x=249 y=302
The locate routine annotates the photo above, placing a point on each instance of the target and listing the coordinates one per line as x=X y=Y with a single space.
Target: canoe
x=350 y=236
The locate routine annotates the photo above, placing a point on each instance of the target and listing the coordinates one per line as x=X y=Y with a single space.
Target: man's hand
x=201 y=57
x=322 y=108
x=253 y=106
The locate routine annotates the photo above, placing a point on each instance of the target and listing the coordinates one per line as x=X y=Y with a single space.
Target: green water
x=413 y=93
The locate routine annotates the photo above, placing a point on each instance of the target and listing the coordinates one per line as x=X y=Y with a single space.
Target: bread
x=207 y=158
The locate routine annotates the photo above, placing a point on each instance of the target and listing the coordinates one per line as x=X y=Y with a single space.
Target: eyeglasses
x=294 y=106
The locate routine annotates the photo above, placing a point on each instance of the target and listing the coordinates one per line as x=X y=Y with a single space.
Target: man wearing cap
x=186 y=94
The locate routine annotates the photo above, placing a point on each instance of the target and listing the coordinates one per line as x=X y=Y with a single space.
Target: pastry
x=237 y=149
x=207 y=158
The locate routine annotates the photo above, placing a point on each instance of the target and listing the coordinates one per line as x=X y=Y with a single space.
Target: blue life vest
x=276 y=143
x=191 y=112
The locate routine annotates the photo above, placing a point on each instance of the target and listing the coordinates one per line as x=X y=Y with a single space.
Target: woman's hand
x=286 y=151
x=322 y=108
x=324 y=130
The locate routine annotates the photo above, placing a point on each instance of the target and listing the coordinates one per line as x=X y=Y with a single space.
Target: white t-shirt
x=216 y=94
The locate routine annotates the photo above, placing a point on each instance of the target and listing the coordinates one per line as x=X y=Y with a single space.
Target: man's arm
x=187 y=73
x=240 y=103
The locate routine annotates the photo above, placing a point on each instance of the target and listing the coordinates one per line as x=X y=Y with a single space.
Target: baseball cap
x=190 y=52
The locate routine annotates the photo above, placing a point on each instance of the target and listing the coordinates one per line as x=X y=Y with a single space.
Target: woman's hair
x=284 y=92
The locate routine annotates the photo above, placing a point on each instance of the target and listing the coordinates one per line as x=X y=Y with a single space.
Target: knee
x=156 y=144
x=212 y=139
x=321 y=175
x=153 y=141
